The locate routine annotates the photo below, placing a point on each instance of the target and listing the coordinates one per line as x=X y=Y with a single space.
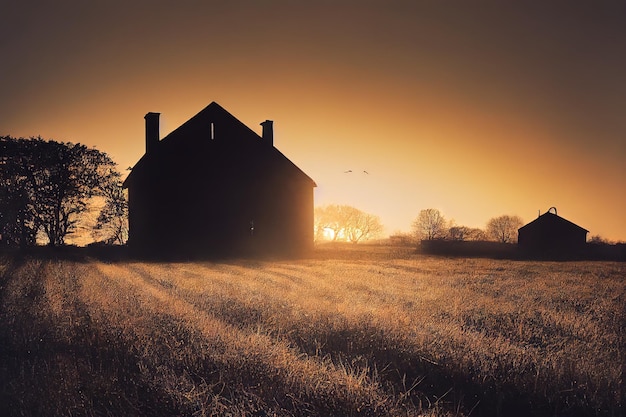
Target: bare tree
x=458 y=233
x=346 y=222
x=430 y=225
x=504 y=228
x=464 y=233
x=599 y=240
x=476 y=234
x=361 y=226
x=112 y=223
x=328 y=218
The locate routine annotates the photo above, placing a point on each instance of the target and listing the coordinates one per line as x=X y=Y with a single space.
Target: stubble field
x=373 y=331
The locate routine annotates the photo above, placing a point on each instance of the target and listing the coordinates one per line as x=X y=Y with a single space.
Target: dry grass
x=356 y=332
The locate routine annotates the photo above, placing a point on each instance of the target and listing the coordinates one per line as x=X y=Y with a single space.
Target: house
x=215 y=187
x=552 y=235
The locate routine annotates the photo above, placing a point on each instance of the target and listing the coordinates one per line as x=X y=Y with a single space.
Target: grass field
x=371 y=331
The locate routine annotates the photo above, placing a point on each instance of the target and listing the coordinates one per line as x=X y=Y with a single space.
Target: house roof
x=550 y=219
x=192 y=134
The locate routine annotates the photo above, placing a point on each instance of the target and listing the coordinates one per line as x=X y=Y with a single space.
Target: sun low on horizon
x=476 y=110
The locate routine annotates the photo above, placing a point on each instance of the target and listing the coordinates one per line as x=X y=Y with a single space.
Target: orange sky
x=477 y=111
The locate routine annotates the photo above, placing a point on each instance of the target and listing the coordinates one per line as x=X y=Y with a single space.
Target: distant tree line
x=430 y=224
x=335 y=222
x=46 y=186
x=345 y=223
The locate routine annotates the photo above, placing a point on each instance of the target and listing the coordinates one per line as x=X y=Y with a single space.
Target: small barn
x=549 y=234
x=213 y=186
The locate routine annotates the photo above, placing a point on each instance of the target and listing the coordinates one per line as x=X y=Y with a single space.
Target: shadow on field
x=118 y=254
x=424 y=383
x=37 y=352
x=49 y=367
x=496 y=250
x=333 y=251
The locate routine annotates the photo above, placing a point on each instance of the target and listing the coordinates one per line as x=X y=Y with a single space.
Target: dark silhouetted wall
x=213 y=186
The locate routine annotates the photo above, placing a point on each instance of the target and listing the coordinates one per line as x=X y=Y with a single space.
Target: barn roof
x=549 y=219
x=190 y=134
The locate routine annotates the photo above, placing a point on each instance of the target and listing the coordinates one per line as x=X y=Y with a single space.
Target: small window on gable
x=212 y=130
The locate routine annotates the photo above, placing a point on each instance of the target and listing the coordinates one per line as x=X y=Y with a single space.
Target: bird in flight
x=349 y=171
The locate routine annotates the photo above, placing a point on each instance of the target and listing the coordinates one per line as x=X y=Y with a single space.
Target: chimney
x=152 y=130
x=268 y=132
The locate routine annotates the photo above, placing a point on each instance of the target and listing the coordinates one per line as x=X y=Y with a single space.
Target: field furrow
x=405 y=335
x=240 y=356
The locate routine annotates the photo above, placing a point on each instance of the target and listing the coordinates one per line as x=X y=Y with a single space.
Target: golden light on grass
x=371 y=332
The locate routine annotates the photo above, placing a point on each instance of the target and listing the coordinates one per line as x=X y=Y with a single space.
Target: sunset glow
x=477 y=111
